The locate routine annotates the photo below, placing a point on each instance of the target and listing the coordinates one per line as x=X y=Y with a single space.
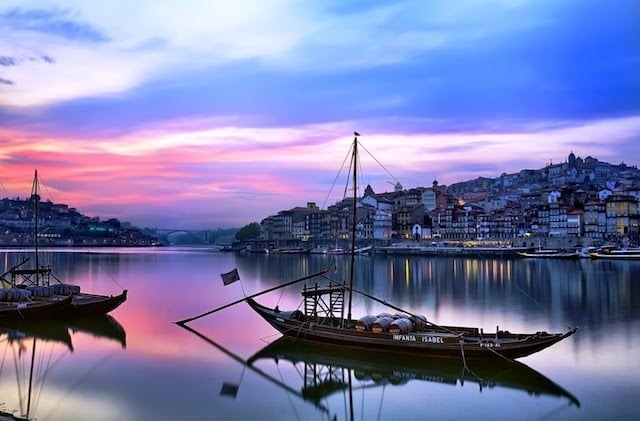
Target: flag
x=229 y=389
x=5 y=283
x=230 y=277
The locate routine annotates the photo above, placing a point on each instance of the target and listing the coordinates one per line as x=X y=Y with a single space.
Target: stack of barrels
x=397 y=323
x=15 y=295
x=41 y=291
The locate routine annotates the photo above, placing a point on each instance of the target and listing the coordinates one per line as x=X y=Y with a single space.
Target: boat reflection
x=103 y=327
x=373 y=368
x=37 y=347
x=47 y=331
x=328 y=370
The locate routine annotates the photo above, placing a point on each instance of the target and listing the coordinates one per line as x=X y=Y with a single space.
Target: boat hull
x=615 y=256
x=444 y=342
x=93 y=305
x=557 y=255
x=34 y=310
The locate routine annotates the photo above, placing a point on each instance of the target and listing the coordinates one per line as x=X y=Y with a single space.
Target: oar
x=182 y=322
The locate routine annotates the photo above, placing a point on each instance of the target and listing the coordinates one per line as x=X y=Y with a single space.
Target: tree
x=248 y=232
x=115 y=223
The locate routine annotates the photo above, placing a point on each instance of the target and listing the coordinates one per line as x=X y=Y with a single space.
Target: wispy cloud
x=55 y=22
x=173 y=166
x=184 y=105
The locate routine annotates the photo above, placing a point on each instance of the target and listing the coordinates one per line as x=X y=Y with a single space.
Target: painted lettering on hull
x=408 y=338
x=489 y=345
x=423 y=339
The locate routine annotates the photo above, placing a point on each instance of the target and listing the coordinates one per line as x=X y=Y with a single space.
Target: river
x=161 y=371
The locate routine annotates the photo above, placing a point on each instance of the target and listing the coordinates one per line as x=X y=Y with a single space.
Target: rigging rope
x=542 y=306
x=324 y=204
x=379 y=163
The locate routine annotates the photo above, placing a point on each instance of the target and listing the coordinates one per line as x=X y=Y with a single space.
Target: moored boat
x=323 y=320
x=432 y=341
x=37 y=283
x=32 y=309
x=549 y=254
x=616 y=253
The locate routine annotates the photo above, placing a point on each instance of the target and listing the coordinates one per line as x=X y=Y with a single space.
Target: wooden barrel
x=382 y=324
x=66 y=289
x=419 y=322
x=365 y=322
x=401 y=326
x=17 y=294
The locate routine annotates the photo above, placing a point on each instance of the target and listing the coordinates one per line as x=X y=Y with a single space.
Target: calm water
x=164 y=372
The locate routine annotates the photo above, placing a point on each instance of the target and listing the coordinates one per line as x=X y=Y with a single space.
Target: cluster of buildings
x=583 y=201
x=60 y=225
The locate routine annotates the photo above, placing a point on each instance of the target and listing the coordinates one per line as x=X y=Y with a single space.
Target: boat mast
x=36 y=198
x=354 y=220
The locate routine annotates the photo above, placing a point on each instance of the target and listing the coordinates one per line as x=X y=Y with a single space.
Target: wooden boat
x=324 y=321
x=37 y=281
x=549 y=254
x=616 y=253
x=289 y=250
x=432 y=341
x=33 y=309
x=85 y=304
x=371 y=368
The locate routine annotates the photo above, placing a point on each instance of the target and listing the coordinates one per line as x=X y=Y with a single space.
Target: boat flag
x=229 y=389
x=5 y=283
x=230 y=277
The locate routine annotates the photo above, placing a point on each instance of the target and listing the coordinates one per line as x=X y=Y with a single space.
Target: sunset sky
x=207 y=114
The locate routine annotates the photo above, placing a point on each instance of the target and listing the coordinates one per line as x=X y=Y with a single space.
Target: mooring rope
x=464 y=361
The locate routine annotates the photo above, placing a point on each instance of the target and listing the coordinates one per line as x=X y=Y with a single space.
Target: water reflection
x=597 y=364
x=32 y=350
x=576 y=292
x=324 y=372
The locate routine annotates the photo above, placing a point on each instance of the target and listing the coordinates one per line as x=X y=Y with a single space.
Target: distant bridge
x=172 y=233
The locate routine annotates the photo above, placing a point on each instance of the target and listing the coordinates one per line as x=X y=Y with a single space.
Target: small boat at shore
x=45 y=296
x=549 y=254
x=323 y=319
x=289 y=250
x=616 y=253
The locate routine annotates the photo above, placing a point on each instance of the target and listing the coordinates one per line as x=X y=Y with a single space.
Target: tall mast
x=354 y=220
x=36 y=198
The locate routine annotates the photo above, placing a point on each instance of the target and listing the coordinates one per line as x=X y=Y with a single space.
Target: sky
x=214 y=114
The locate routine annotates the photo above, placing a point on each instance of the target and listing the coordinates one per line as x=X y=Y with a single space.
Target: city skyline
x=207 y=115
